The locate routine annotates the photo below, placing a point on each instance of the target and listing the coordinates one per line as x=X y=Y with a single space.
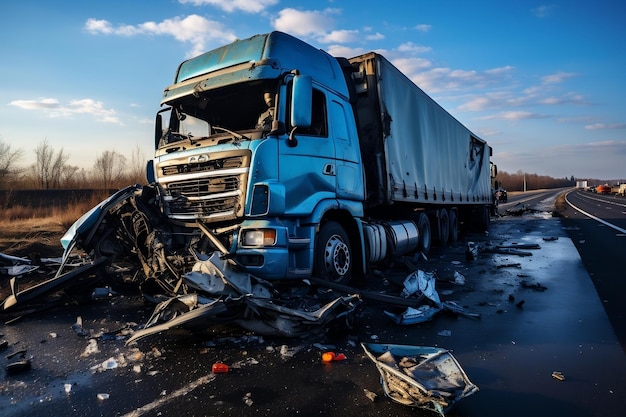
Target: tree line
x=521 y=181
x=51 y=169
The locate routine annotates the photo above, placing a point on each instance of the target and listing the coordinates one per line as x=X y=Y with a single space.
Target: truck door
x=308 y=170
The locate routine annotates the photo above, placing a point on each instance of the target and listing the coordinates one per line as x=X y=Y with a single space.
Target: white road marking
x=167 y=398
x=591 y=216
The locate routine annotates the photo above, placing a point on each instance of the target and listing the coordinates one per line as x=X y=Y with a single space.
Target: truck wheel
x=423 y=226
x=333 y=254
x=454 y=226
x=444 y=227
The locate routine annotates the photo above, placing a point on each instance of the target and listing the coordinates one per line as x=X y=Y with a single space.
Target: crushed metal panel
x=420 y=376
x=231 y=296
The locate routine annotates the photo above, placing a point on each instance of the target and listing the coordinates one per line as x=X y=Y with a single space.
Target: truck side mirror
x=158 y=130
x=150 y=172
x=302 y=101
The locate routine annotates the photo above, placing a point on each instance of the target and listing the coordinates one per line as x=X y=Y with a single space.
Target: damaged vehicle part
x=420 y=376
x=231 y=296
x=420 y=286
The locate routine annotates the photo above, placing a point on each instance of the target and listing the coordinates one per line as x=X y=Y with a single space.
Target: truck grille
x=203 y=186
x=212 y=191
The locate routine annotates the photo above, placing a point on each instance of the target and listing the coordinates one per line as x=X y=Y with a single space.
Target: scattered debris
x=219 y=368
x=535 y=286
x=420 y=286
x=558 y=376
x=420 y=376
x=510 y=265
x=458 y=279
x=18 y=367
x=372 y=396
x=471 y=253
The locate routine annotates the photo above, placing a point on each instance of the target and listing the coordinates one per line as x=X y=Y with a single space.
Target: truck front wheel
x=333 y=254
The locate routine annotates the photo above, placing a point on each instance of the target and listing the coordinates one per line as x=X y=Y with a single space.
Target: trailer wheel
x=454 y=226
x=333 y=254
x=425 y=238
x=444 y=226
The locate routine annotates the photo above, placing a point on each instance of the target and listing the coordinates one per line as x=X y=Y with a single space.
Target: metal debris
x=420 y=376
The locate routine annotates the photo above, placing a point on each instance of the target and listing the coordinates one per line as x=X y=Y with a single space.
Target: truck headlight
x=259 y=237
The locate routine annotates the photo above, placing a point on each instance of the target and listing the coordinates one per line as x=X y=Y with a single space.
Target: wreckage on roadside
x=123 y=245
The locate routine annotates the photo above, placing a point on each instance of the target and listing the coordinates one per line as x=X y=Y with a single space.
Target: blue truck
x=295 y=163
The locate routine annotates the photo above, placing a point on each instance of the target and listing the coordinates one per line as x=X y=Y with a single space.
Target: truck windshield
x=234 y=109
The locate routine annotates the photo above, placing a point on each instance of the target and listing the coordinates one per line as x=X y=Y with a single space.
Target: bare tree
x=68 y=176
x=49 y=166
x=8 y=160
x=137 y=168
x=109 y=168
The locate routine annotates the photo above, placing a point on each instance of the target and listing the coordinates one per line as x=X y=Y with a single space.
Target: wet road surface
x=539 y=314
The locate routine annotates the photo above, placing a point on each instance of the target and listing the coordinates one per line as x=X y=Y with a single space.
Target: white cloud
x=41 y=104
x=570 y=98
x=375 y=37
x=515 y=115
x=304 y=23
x=558 y=77
x=53 y=108
x=193 y=29
x=410 y=47
x=248 y=6
x=340 y=36
x=423 y=27
x=602 y=126
x=344 y=51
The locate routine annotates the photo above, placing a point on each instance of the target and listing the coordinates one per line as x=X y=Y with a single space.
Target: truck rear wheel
x=333 y=254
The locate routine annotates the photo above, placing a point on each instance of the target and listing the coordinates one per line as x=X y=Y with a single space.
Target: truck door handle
x=329 y=169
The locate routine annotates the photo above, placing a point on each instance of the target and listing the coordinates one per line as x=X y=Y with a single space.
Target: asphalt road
x=539 y=314
x=596 y=224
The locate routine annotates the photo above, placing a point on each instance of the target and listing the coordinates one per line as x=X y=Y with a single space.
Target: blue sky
x=543 y=82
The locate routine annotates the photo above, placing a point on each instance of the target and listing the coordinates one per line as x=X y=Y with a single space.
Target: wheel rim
x=337 y=256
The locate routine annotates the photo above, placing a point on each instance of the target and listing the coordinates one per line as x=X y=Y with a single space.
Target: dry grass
x=63 y=215
x=23 y=227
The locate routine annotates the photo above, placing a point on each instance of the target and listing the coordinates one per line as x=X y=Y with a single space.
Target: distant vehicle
x=622 y=190
x=581 y=184
x=603 y=189
x=501 y=195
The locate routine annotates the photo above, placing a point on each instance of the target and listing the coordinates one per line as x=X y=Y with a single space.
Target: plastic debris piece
x=340 y=357
x=445 y=333
x=458 y=278
x=219 y=368
x=103 y=396
x=92 y=347
x=19 y=366
x=328 y=356
x=558 y=376
x=372 y=396
x=78 y=327
x=247 y=399
x=68 y=388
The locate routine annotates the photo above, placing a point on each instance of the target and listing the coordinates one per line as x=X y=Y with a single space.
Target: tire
x=333 y=254
x=454 y=226
x=444 y=226
x=425 y=237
